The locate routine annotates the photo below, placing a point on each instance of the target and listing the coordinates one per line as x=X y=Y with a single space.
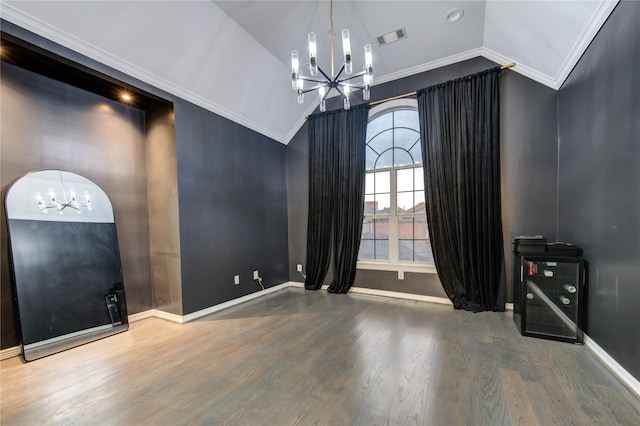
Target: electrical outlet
x=299 y=267
x=255 y=275
x=401 y=275
x=236 y=279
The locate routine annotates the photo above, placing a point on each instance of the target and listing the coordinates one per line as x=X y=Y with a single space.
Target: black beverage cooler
x=549 y=289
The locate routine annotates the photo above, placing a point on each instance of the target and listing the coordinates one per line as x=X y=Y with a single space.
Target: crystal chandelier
x=325 y=83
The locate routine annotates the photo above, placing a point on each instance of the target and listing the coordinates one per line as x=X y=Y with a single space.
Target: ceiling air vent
x=391 y=36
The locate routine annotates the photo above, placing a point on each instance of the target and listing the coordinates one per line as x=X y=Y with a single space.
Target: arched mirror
x=67 y=276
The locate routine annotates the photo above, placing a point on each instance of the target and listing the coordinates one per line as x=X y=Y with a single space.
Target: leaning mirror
x=67 y=276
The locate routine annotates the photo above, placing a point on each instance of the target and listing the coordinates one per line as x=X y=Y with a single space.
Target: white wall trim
x=428 y=66
x=399 y=295
x=10 y=352
x=141 y=315
x=204 y=312
x=613 y=365
x=596 y=22
x=521 y=68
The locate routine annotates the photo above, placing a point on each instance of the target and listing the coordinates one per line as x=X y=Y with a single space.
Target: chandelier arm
x=360 y=74
x=335 y=79
x=315 y=80
x=311 y=89
x=323 y=73
x=340 y=91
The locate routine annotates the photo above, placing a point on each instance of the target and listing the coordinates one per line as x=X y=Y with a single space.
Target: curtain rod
x=393 y=98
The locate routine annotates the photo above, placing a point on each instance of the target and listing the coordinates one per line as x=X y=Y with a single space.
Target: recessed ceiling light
x=125 y=97
x=454 y=15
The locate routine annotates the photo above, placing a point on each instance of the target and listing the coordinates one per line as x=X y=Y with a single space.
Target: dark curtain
x=336 y=196
x=460 y=132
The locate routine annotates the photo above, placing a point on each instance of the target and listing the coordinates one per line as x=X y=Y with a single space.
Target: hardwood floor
x=296 y=357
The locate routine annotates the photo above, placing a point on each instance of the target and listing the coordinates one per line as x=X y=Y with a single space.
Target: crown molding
x=41 y=28
x=521 y=68
x=596 y=22
x=428 y=66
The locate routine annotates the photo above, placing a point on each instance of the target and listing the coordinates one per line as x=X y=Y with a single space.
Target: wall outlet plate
x=401 y=275
x=299 y=267
x=236 y=279
x=255 y=275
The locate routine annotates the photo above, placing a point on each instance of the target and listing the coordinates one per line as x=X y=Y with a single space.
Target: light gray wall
x=599 y=110
x=528 y=165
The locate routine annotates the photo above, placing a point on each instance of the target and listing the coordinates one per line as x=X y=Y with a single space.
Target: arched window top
x=393 y=135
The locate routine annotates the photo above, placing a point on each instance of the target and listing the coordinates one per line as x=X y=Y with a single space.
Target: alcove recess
x=150 y=244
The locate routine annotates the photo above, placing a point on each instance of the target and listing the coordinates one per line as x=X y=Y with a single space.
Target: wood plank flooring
x=306 y=358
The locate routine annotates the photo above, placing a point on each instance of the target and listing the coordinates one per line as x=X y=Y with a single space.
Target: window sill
x=424 y=268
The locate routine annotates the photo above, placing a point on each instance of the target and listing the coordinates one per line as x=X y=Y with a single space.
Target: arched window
x=395 y=223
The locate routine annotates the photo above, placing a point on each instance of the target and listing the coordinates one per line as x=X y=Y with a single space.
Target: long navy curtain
x=336 y=196
x=460 y=132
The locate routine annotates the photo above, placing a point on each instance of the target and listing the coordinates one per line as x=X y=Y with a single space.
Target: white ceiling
x=232 y=57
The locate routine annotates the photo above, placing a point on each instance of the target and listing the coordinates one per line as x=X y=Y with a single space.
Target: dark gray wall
x=232 y=202
x=599 y=110
x=233 y=208
x=529 y=169
x=51 y=125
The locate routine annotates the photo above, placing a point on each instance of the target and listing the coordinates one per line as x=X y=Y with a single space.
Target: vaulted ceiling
x=233 y=57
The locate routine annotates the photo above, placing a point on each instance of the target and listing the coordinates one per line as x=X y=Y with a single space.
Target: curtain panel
x=460 y=135
x=336 y=196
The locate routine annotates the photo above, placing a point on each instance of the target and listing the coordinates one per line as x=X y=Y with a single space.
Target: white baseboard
x=204 y=312
x=10 y=352
x=612 y=364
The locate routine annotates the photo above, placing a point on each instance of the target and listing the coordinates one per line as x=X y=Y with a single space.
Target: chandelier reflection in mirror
x=325 y=84
x=55 y=203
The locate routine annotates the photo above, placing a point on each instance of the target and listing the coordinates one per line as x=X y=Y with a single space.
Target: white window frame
x=393 y=264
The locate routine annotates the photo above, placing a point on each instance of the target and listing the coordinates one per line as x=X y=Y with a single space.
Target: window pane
x=369 y=204
x=420 y=229
x=422 y=251
x=405 y=202
x=370 y=158
x=381 y=229
x=401 y=158
x=405 y=250
x=382 y=250
x=379 y=124
x=405 y=138
x=369 y=182
x=367 y=250
x=405 y=228
x=406 y=118
x=368 y=229
x=383 y=182
x=383 y=203
x=419 y=178
x=416 y=153
x=420 y=206
x=405 y=180
x=382 y=141
x=385 y=160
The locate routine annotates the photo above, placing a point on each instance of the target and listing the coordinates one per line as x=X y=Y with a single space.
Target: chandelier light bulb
x=346 y=48
x=313 y=54
x=295 y=65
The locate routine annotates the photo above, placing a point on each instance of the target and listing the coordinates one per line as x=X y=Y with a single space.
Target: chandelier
x=324 y=84
x=55 y=203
